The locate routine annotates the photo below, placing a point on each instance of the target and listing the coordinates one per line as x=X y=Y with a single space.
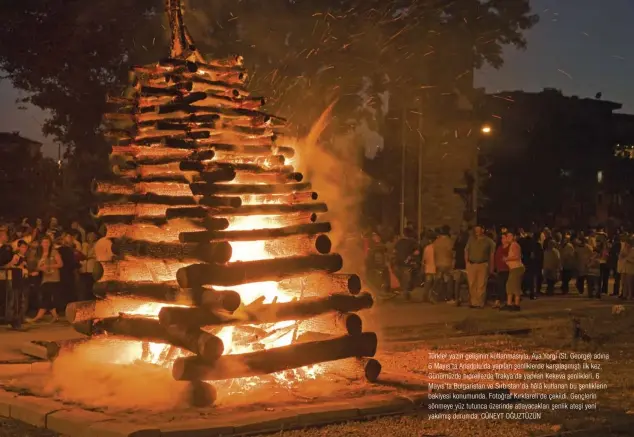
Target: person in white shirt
x=429 y=268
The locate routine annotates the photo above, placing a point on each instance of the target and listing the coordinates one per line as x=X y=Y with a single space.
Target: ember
x=222 y=260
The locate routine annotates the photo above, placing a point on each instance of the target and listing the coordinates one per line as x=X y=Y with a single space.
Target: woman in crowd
x=35 y=275
x=49 y=263
x=88 y=266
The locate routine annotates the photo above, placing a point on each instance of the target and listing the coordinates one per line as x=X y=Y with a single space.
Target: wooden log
x=158 y=292
x=204 y=166
x=237 y=273
x=146 y=155
x=276 y=360
x=271 y=178
x=333 y=282
x=266 y=209
x=217 y=252
x=299 y=244
x=218 y=175
x=145 y=198
x=256 y=234
x=207 y=346
x=259 y=313
x=201 y=394
x=212 y=299
x=81 y=311
x=372 y=369
x=353 y=323
x=128 y=219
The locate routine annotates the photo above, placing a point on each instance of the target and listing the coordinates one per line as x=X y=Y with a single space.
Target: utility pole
x=403 y=157
x=421 y=145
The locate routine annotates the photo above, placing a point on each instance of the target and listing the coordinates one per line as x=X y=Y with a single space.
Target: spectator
x=516 y=271
x=442 y=247
x=460 y=266
x=49 y=263
x=406 y=250
x=551 y=266
x=593 y=275
x=54 y=229
x=627 y=256
x=567 y=263
x=612 y=264
x=429 y=268
x=103 y=250
x=69 y=271
x=501 y=270
x=38 y=231
x=583 y=253
x=88 y=267
x=81 y=232
x=35 y=275
x=479 y=258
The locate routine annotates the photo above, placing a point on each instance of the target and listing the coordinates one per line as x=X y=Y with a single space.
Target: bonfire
x=223 y=268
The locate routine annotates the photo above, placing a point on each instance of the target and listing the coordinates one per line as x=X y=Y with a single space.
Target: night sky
x=579 y=46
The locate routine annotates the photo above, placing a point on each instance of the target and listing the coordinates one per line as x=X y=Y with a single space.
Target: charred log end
x=354 y=285
x=354 y=325
x=241 y=76
x=313 y=217
x=231 y=300
x=366 y=344
x=220 y=252
x=74 y=309
x=314 y=196
x=323 y=244
x=210 y=347
x=201 y=394
x=372 y=370
x=297 y=177
x=182 y=278
x=235 y=93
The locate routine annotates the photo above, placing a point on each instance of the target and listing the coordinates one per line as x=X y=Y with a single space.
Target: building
x=13 y=142
x=552 y=158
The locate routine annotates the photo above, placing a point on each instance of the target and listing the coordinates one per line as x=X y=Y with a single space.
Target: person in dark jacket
x=613 y=259
x=406 y=253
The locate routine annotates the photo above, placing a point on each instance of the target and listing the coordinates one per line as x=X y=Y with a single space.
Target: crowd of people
x=499 y=266
x=43 y=268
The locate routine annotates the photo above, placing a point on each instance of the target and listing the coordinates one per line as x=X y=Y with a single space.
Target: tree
x=67 y=55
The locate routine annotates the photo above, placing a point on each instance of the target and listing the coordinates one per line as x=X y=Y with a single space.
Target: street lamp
x=486 y=129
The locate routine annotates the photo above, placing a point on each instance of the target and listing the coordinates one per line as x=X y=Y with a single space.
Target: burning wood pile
x=223 y=269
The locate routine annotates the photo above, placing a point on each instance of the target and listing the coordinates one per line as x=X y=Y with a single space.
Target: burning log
x=211 y=299
x=207 y=346
x=218 y=175
x=218 y=252
x=372 y=370
x=266 y=209
x=199 y=188
x=275 y=360
x=273 y=177
x=82 y=311
x=258 y=313
x=205 y=166
x=145 y=198
x=256 y=271
x=201 y=394
x=299 y=244
x=128 y=219
x=256 y=234
x=144 y=155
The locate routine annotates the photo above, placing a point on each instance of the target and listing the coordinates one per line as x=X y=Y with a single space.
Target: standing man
x=406 y=251
x=479 y=257
x=443 y=258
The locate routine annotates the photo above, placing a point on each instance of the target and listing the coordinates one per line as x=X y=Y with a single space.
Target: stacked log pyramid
x=192 y=152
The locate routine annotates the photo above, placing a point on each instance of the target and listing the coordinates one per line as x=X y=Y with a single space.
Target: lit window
x=600 y=176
